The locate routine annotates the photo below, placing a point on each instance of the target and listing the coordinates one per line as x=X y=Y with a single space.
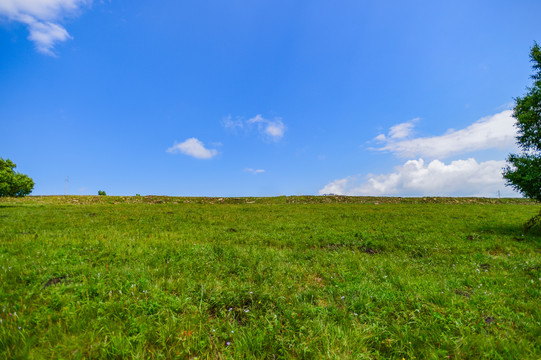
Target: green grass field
x=284 y=277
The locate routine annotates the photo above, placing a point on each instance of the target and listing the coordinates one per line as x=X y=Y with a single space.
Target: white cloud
x=436 y=178
x=275 y=129
x=402 y=130
x=193 y=147
x=416 y=178
x=46 y=35
x=254 y=171
x=229 y=123
x=338 y=187
x=496 y=131
x=42 y=19
x=271 y=129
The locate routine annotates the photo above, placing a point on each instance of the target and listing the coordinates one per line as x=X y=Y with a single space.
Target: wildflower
x=251 y=292
x=232 y=331
x=246 y=310
x=230 y=309
x=228 y=343
x=343 y=297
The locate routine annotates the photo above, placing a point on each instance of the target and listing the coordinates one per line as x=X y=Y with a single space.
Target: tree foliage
x=524 y=170
x=13 y=183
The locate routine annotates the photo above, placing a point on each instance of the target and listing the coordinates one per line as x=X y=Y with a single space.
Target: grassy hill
x=284 y=277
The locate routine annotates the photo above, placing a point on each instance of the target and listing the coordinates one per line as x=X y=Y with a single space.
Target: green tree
x=13 y=183
x=524 y=170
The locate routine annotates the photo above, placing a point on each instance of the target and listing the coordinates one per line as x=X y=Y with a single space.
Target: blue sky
x=263 y=98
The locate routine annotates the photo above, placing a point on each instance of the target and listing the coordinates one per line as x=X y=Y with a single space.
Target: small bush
x=101 y=193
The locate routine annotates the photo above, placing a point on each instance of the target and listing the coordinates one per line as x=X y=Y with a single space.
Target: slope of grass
x=286 y=277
